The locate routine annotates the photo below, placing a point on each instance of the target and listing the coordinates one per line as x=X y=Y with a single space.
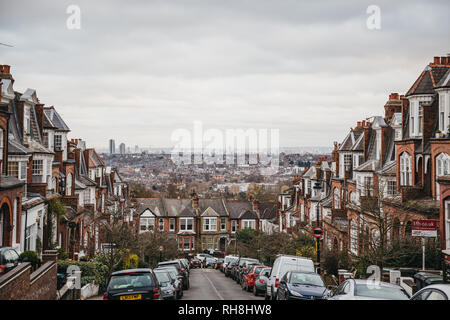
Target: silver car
x=433 y=292
x=358 y=289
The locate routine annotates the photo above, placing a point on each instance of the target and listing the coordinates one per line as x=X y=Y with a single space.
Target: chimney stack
x=436 y=60
x=5 y=69
x=358 y=124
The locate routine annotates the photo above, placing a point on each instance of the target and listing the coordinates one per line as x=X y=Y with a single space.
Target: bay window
x=248 y=224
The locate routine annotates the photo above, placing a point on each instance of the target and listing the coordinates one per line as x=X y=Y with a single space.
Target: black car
x=229 y=269
x=181 y=270
x=132 y=284
x=195 y=263
x=296 y=285
x=218 y=263
x=9 y=259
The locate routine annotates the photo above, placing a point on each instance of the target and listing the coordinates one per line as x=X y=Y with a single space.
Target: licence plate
x=131 y=297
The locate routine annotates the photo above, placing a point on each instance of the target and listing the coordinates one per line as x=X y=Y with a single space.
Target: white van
x=283 y=264
x=230 y=258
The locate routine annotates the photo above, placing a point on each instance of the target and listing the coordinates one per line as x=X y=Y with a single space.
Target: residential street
x=210 y=284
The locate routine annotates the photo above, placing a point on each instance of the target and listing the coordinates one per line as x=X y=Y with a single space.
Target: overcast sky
x=138 y=70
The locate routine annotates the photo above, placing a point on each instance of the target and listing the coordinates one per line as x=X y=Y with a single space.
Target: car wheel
x=248 y=288
x=266 y=297
x=255 y=291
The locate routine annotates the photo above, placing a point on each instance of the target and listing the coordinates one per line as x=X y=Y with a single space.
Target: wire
x=7 y=45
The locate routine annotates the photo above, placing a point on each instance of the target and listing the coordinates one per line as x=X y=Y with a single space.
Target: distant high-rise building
x=129 y=150
x=136 y=149
x=112 y=146
x=122 y=148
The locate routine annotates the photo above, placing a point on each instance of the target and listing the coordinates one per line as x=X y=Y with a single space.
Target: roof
x=445 y=80
x=428 y=80
x=236 y=208
x=215 y=204
x=56 y=119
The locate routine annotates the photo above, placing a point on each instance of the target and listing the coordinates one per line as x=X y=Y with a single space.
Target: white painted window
x=405 y=169
x=223 y=225
x=147 y=224
x=391 y=188
x=186 y=224
x=248 y=224
x=69 y=185
x=442 y=165
x=38 y=167
x=161 y=224
x=348 y=161
x=353 y=237
x=336 y=198
x=209 y=224
x=171 y=224
x=233 y=226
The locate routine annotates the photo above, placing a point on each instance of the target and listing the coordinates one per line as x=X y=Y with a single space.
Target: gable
x=209 y=212
x=147 y=213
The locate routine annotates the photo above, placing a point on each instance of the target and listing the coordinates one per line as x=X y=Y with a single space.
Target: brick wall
x=21 y=284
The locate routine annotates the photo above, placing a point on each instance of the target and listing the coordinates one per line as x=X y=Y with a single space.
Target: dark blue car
x=296 y=285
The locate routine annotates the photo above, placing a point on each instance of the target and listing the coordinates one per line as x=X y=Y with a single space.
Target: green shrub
x=62 y=254
x=90 y=271
x=31 y=256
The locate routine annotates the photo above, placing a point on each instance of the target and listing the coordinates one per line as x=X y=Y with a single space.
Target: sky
x=136 y=71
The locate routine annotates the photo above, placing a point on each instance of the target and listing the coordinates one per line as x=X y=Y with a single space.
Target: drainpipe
x=25 y=231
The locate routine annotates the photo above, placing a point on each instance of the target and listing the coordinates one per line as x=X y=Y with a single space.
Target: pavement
x=211 y=284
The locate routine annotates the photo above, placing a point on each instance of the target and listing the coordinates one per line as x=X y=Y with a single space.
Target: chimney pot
x=364 y=123
x=6 y=68
x=444 y=60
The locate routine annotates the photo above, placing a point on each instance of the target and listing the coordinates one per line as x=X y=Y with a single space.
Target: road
x=210 y=284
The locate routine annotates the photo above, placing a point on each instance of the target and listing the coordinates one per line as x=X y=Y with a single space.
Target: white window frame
x=172 y=224
x=184 y=224
x=405 y=169
x=234 y=226
x=209 y=224
x=248 y=223
x=223 y=224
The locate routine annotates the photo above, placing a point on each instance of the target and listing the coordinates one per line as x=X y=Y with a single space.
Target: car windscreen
x=175 y=264
x=258 y=270
x=130 y=281
x=230 y=259
x=306 y=279
x=162 y=277
x=247 y=261
x=380 y=292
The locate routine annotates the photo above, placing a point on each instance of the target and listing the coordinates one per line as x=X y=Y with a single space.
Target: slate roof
x=173 y=207
x=445 y=80
x=149 y=203
x=268 y=210
x=215 y=204
x=56 y=119
x=428 y=80
x=236 y=208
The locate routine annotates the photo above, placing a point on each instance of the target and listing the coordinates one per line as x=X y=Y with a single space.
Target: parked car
x=296 y=285
x=195 y=263
x=227 y=260
x=166 y=285
x=261 y=281
x=9 y=259
x=181 y=271
x=185 y=264
x=249 y=277
x=423 y=279
x=243 y=263
x=283 y=264
x=433 y=292
x=363 y=289
x=201 y=256
x=210 y=262
x=177 y=279
x=218 y=264
x=229 y=269
x=132 y=284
